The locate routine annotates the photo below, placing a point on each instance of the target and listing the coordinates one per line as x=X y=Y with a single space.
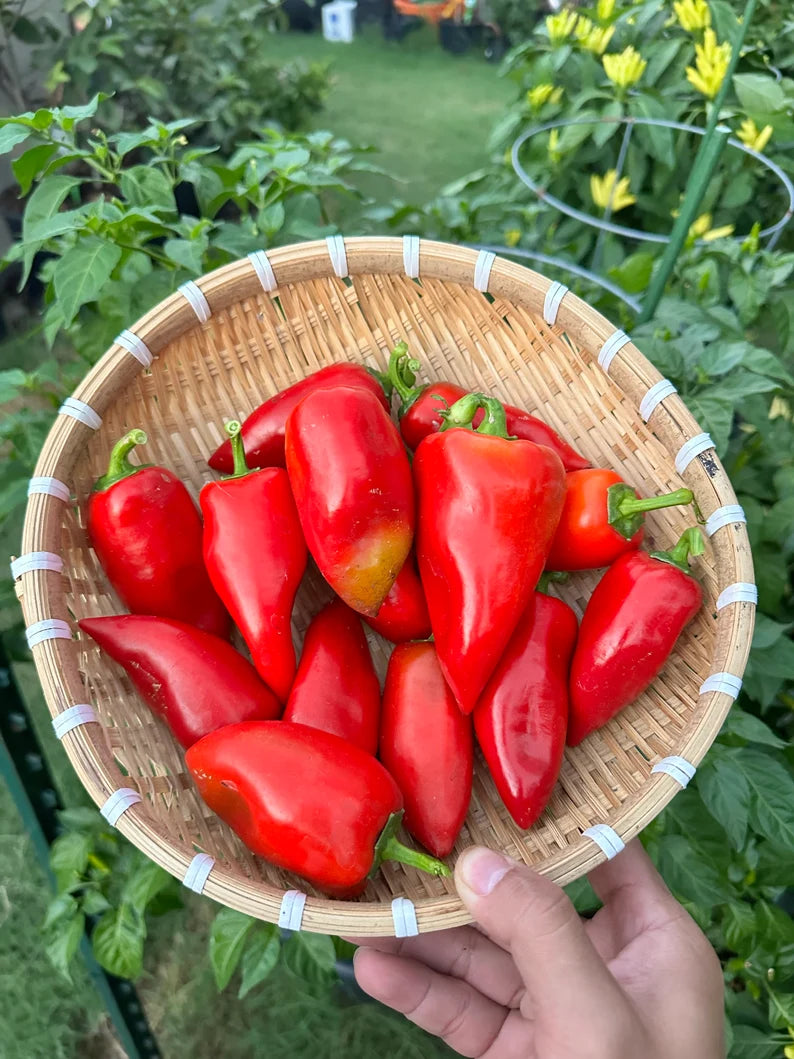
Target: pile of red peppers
x=441 y=528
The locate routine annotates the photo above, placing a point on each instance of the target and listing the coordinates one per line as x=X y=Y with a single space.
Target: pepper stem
x=625 y=510
x=383 y=378
x=551 y=577
x=402 y=377
x=119 y=466
x=461 y=414
x=388 y=847
x=691 y=543
x=241 y=468
x=630 y=505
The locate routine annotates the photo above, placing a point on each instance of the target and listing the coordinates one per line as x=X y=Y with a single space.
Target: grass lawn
x=429 y=112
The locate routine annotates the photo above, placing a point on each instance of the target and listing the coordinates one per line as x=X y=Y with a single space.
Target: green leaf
x=752 y=1043
x=187 y=253
x=271 y=218
x=772 y=789
x=311 y=957
x=726 y=795
x=118 y=940
x=12 y=496
x=67 y=116
x=739 y=926
x=82 y=272
x=260 y=957
x=11 y=135
x=69 y=857
x=94 y=902
x=63 y=942
x=11 y=382
x=30 y=164
x=781 y=1009
x=759 y=93
x=81 y=818
x=62 y=907
x=144 y=884
x=634 y=273
x=749 y=727
x=25 y=30
x=144 y=185
x=689 y=873
x=39 y=222
x=227 y=939
x=124 y=142
x=582 y=895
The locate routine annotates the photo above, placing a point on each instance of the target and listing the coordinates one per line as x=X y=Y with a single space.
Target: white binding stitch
x=36 y=561
x=654 y=397
x=338 y=254
x=611 y=348
x=198 y=872
x=196 y=299
x=607 y=839
x=263 y=269
x=81 y=411
x=50 y=486
x=724 y=516
x=129 y=340
x=679 y=768
x=690 y=449
x=47 y=629
x=82 y=713
x=482 y=270
x=403 y=913
x=411 y=256
x=552 y=302
x=726 y=683
x=119 y=802
x=738 y=592
x=290 y=915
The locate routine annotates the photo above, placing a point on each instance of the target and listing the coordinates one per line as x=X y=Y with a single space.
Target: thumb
x=534 y=920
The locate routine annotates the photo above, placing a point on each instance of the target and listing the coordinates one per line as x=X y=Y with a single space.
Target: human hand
x=534 y=981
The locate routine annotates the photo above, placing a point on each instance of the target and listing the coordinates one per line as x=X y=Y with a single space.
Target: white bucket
x=339 y=20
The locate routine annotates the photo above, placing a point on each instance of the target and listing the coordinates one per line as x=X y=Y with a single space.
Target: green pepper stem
x=383 y=378
x=691 y=543
x=389 y=847
x=632 y=506
x=462 y=413
x=401 y=374
x=119 y=466
x=241 y=468
x=551 y=577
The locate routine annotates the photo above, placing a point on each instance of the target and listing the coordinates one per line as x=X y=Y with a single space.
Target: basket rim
x=43 y=597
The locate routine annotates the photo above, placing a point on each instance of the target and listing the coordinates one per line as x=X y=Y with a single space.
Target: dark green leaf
x=759 y=93
x=11 y=135
x=311 y=957
x=271 y=218
x=69 y=856
x=768 y=632
x=739 y=926
x=46 y=200
x=11 y=382
x=63 y=941
x=187 y=253
x=62 y=907
x=145 y=883
x=749 y=727
x=87 y=110
x=781 y=1009
x=82 y=272
x=29 y=164
x=260 y=957
x=118 y=940
x=689 y=874
x=12 y=496
x=752 y=1043
x=94 y=902
x=582 y=895
x=25 y=30
x=634 y=273
x=715 y=415
x=227 y=940
x=144 y=185
x=772 y=789
x=726 y=795
x=81 y=818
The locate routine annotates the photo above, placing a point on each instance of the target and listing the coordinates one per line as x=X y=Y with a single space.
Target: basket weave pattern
x=256 y=342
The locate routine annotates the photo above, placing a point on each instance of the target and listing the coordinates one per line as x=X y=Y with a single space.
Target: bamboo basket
x=216 y=349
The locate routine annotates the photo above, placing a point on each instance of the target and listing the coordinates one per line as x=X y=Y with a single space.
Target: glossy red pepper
x=522 y=716
x=353 y=490
x=263 y=431
x=601 y=519
x=256 y=556
x=631 y=624
x=336 y=687
x=195 y=681
x=426 y=743
x=146 y=532
x=420 y=411
x=488 y=508
x=403 y=614
x=305 y=800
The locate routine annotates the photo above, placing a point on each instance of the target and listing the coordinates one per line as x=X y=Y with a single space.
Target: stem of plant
x=241 y=468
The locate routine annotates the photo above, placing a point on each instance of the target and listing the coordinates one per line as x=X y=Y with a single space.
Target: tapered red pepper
x=420 y=411
x=195 y=681
x=256 y=555
x=488 y=508
x=631 y=624
x=336 y=687
x=305 y=800
x=403 y=614
x=146 y=532
x=426 y=743
x=353 y=489
x=522 y=716
x=263 y=430
x=601 y=519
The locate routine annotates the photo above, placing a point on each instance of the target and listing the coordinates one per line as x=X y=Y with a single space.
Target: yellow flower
x=561 y=25
x=554 y=144
x=711 y=65
x=692 y=14
x=701 y=229
x=543 y=93
x=598 y=39
x=512 y=235
x=626 y=68
x=788 y=1051
x=752 y=137
x=584 y=27
x=605 y=9
x=605 y=192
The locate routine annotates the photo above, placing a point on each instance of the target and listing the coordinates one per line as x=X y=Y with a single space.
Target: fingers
x=532 y=917
x=632 y=868
x=447 y=1007
x=462 y=953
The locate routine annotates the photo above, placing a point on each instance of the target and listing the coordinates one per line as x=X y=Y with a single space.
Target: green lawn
x=429 y=113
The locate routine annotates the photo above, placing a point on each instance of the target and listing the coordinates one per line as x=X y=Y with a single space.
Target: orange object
x=429 y=12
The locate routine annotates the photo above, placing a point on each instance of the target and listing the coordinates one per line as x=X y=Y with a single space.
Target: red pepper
x=305 y=800
x=336 y=687
x=602 y=518
x=195 y=681
x=635 y=615
x=426 y=744
x=263 y=430
x=420 y=411
x=353 y=489
x=403 y=614
x=146 y=532
x=522 y=716
x=488 y=508
x=256 y=555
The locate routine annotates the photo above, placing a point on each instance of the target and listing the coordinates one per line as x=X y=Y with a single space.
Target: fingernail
x=481 y=869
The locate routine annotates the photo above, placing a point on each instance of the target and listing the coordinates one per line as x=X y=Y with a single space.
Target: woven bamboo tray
x=253 y=327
